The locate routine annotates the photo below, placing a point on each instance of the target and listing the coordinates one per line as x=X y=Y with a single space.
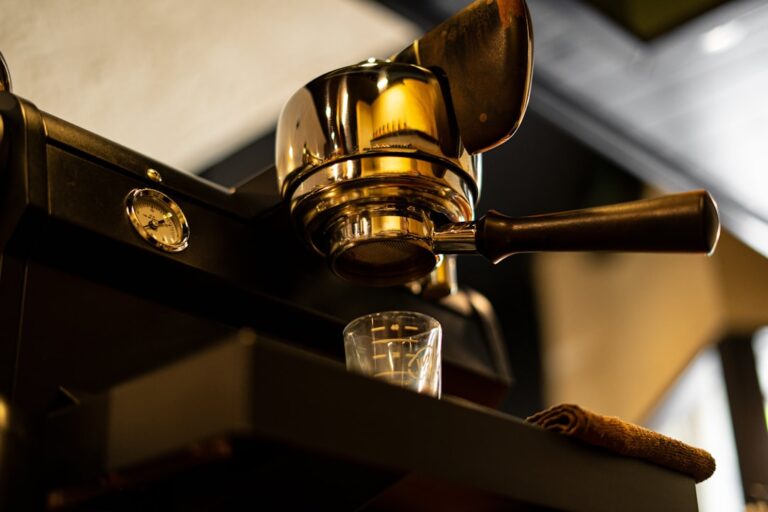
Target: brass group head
x=371 y=160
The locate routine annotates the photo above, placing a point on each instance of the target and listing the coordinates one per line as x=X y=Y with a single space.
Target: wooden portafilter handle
x=687 y=223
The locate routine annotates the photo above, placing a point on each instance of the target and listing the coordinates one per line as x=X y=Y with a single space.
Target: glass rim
x=431 y=321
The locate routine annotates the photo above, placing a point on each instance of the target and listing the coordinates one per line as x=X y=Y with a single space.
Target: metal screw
x=154 y=176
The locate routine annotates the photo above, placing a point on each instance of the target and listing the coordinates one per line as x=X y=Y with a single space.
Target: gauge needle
x=154 y=223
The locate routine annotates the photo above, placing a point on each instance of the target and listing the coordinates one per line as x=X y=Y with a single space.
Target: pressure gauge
x=158 y=219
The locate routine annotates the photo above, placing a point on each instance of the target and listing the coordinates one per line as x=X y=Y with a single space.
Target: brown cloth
x=626 y=439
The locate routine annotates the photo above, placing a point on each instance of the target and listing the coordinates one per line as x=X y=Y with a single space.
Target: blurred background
x=630 y=98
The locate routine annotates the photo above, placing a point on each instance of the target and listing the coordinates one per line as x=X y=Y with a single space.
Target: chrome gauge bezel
x=165 y=203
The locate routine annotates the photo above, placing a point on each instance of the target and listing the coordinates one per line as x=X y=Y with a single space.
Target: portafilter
x=380 y=160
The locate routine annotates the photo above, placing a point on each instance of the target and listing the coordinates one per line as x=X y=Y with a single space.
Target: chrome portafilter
x=386 y=248
x=382 y=246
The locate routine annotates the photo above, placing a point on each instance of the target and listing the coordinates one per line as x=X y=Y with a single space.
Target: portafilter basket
x=378 y=160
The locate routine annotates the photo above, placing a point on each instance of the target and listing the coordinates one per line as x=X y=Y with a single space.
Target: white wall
x=184 y=81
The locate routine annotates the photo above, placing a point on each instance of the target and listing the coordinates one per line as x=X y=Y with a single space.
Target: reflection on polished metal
x=5 y=75
x=457 y=238
x=442 y=281
x=486 y=54
x=373 y=108
x=370 y=159
x=383 y=241
x=153 y=175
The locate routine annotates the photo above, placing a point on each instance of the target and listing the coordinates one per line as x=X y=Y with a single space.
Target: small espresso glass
x=400 y=347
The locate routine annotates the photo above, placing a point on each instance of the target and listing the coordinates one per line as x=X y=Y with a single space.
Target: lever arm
x=485 y=52
x=687 y=222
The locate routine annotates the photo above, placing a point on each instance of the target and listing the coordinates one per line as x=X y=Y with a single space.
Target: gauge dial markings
x=158 y=219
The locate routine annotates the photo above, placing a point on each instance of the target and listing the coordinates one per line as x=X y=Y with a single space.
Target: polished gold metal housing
x=158 y=219
x=373 y=108
x=370 y=159
x=375 y=159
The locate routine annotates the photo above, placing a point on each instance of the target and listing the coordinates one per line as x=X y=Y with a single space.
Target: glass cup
x=399 y=347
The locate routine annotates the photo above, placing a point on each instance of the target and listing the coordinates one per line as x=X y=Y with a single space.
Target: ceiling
x=684 y=110
x=650 y=18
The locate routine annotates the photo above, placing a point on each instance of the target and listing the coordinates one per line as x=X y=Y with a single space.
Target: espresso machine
x=167 y=343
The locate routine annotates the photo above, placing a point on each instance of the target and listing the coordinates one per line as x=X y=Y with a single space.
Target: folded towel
x=626 y=439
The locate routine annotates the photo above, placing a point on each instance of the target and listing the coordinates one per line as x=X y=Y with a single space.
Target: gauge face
x=158 y=219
